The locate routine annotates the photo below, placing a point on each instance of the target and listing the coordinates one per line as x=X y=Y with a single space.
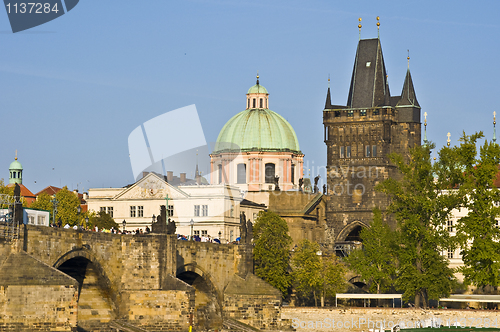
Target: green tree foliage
x=375 y=261
x=4 y=190
x=478 y=232
x=422 y=213
x=272 y=250
x=102 y=220
x=317 y=274
x=44 y=202
x=67 y=204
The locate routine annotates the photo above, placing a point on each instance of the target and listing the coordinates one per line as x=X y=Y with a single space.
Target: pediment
x=150 y=187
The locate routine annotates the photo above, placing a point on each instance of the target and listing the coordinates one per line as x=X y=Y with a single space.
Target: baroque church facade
x=360 y=136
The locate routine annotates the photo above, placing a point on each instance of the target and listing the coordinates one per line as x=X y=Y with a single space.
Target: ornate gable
x=150 y=187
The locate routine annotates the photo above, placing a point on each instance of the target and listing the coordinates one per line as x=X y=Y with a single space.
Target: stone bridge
x=154 y=281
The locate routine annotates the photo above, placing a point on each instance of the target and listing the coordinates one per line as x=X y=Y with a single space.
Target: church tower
x=359 y=137
x=15 y=172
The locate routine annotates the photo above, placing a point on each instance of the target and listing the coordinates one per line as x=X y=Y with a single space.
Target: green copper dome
x=257 y=88
x=257 y=130
x=15 y=165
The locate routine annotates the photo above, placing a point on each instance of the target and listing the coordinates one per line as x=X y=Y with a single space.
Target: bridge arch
x=351 y=231
x=96 y=299
x=208 y=299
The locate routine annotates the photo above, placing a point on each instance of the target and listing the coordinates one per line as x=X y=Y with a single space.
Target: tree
x=272 y=250
x=478 y=231
x=67 y=204
x=44 y=202
x=102 y=220
x=4 y=190
x=315 y=273
x=375 y=261
x=422 y=212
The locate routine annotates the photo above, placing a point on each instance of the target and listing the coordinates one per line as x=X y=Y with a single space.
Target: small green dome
x=257 y=130
x=257 y=88
x=15 y=165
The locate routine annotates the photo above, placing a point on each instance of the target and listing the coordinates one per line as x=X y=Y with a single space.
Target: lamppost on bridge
x=78 y=211
x=192 y=225
x=86 y=222
x=124 y=223
x=54 y=211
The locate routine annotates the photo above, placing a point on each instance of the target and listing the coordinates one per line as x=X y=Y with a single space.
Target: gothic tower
x=360 y=136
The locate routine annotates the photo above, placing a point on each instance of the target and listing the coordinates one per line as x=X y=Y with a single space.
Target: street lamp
x=124 y=223
x=192 y=225
x=78 y=211
x=86 y=222
x=220 y=233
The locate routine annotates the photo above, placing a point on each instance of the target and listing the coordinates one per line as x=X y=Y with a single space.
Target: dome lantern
x=257 y=96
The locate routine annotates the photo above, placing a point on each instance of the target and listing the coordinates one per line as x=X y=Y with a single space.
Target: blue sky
x=73 y=89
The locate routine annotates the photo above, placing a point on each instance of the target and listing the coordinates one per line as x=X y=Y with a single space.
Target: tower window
x=362 y=112
x=253 y=103
x=261 y=103
x=293 y=174
x=348 y=151
x=450 y=253
x=248 y=103
x=219 y=170
x=342 y=152
x=374 y=151
x=269 y=173
x=266 y=103
x=375 y=112
x=350 y=114
x=367 y=151
x=241 y=173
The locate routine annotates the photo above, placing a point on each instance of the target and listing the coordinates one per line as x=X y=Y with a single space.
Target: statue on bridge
x=276 y=183
x=171 y=226
x=160 y=226
x=301 y=183
x=243 y=228
x=316 y=180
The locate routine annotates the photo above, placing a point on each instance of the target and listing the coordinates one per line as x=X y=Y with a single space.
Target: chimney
x=183 y=177
x=144 y=174
x=170 y=176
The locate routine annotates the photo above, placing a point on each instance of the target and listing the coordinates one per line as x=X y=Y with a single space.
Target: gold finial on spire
x=257 y=77
x=448 y=140
x=425 y=118
x=494 y=118
x=378 y=26
x=328 y=80
x=408 y=58
x=16 y=155
x=359 y=27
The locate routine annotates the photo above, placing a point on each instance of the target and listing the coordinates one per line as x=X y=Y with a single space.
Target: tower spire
x=448 y=140
x=359 y=27
x=378 y=26
x=494 y=129
x=16 y=156
x=425 y=129
x=328 y=103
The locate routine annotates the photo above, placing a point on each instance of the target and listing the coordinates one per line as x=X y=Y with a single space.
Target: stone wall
x=363 y=319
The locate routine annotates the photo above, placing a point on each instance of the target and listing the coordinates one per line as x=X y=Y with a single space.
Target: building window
x=450 y=253
x=266 y=102
x=261 y=103
x=196 y=233
x=231 y=235
x=350 y=114
x=367 y=151
x=253 y=103
x=374 y=151
x=241 y=173
x=376 y=112
x=337 y=114
x=204 y=232
x=132 y=211
x=342 y=152
x=269 y=173
x=110 y=211
x=348 y=151
x=204 y=210
x=293 y=174
x=248 y=104
x=196 y=210
x=140 y=211
x=450 y=226
x=170 y=210
x=231 y=212
x=103 y=209
x=362 y=112
x=219 y=170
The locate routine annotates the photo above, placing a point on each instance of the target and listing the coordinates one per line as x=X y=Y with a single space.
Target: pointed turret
x=408 y=96
x=369 y=86
x=328 y=103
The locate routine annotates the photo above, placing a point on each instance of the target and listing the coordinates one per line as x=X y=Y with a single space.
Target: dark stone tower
x=360 y=136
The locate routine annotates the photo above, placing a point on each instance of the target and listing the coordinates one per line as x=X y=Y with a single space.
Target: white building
x=214 y=209
x=30 y=216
